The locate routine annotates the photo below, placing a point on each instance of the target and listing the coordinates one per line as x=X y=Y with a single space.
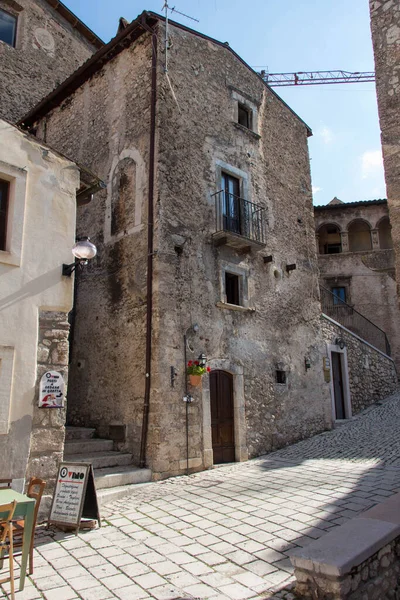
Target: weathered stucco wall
x=105 y=125
x=41 y=232
x=385 y=27
x=372 y=375
x=48 y=49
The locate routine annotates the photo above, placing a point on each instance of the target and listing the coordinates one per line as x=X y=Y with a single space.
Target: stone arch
x=359 y=231
x=329 y=238
x=241 y=452
x=125 y=192
x=384 y=233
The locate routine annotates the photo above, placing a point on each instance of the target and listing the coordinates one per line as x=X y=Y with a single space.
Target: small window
x=244 y=116
x=8 y=28
x=232 y=288
x=339 y=295
x=4 y=195
x=280 y=376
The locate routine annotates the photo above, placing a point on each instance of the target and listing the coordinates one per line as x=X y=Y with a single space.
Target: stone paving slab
x=225 y=534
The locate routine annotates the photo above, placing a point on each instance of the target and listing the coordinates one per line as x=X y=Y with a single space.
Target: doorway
x=338 y=386
x=222 y=417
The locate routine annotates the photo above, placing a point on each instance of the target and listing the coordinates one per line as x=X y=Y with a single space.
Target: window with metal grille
x=4 y=195
x=8 y=28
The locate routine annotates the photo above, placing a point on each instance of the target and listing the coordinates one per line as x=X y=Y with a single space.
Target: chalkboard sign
x=75 y=496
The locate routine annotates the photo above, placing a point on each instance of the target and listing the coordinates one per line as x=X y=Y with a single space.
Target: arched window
x=359 y=236
x=329 y=239
x=385 y=234
x=123 y=196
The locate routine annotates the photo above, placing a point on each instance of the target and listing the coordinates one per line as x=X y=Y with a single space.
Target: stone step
x=101 y=460
x=120 y=476
x=79 y=433
x=107 y=495
x=88 y=446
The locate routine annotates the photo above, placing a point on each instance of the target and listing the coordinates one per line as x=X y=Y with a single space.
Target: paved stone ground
x=225 y=533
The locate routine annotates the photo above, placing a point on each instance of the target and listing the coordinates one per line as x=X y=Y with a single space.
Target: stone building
x=357 y=264
x=41 y=44
x=385 y=28
x=38 y=197
x=207 y=220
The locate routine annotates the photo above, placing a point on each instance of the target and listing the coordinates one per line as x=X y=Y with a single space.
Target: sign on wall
x=51 y=393
x=75 y=496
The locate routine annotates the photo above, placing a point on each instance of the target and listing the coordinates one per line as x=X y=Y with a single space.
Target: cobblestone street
x=225 y=533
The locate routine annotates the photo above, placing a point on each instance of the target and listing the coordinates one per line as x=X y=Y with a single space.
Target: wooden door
x=221 y=397
x=338 y=385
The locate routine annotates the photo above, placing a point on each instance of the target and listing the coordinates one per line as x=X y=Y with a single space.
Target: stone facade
x=48 y=425
x=385 y=27
x=40 y=234
x=366 y=275
x=50 y=44
x=105 y=124
x=371 y=374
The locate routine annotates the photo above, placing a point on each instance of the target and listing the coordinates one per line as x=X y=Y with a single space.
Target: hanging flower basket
x=195 y=370
x=195 y=380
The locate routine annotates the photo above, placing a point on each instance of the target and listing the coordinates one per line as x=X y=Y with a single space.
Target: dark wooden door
x=231 y=207
x=221 y=396
x=338 y=385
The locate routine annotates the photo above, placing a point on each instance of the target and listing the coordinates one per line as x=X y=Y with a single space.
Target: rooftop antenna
x=167 y=8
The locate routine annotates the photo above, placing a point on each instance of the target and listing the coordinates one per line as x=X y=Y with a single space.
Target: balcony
x=239 y=223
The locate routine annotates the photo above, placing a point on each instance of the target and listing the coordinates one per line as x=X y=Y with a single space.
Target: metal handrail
x=336 y=308
x=239 y=216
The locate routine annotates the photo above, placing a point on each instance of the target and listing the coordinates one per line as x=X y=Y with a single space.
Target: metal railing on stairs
x=346 y=315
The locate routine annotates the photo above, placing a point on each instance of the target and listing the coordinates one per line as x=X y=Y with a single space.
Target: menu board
x=74 y=496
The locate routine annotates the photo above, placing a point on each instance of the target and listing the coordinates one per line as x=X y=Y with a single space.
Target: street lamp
x=83 y=251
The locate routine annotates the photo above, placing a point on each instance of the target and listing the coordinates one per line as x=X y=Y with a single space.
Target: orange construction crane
x=315 y=77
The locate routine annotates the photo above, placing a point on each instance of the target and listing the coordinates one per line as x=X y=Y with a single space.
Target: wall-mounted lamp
x=83 y=251
x=307 y=363
x=202 y=360
x=340 y=342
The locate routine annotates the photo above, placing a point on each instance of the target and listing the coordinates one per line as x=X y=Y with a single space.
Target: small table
x=25 y=509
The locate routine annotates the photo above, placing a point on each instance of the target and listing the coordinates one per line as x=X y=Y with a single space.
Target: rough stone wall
x=48 y=49
x=368 y=276
x=385 y=27
x=377 y=578
x=48 y=424
x=372 y=375
x=198 y=139
x=103 y=123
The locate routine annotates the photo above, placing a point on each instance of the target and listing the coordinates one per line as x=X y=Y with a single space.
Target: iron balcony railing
x=238 y=216
x=350 y=318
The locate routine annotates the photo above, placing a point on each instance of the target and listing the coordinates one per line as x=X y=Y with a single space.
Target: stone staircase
x=114 y=473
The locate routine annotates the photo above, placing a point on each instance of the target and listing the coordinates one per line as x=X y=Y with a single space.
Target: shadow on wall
x=33 y=288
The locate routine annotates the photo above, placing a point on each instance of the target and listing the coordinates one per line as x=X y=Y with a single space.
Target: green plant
x=195 y=368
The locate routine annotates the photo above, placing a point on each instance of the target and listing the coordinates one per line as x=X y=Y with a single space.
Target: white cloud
x=316 y=189
x=371 y=164
x=326 y=134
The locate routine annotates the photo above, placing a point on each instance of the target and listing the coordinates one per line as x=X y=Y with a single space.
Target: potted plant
x=195 y=370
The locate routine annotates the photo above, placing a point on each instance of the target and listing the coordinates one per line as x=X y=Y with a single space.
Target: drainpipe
x=150 y=245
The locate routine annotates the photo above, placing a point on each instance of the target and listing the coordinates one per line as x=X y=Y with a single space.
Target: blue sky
x=293 y=36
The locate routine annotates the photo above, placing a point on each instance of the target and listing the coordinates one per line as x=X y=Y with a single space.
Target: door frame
x=239 y=416
x=346 y=383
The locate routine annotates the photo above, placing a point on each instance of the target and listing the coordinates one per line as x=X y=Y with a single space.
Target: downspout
x=150 y=246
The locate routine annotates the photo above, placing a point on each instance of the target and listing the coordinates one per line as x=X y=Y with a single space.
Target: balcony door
x=231 y=203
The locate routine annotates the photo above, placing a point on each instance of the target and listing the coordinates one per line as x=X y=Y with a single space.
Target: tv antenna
x=167 y=8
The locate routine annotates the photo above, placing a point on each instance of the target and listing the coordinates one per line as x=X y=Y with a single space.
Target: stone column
x=375 y=239
x=344 y=237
